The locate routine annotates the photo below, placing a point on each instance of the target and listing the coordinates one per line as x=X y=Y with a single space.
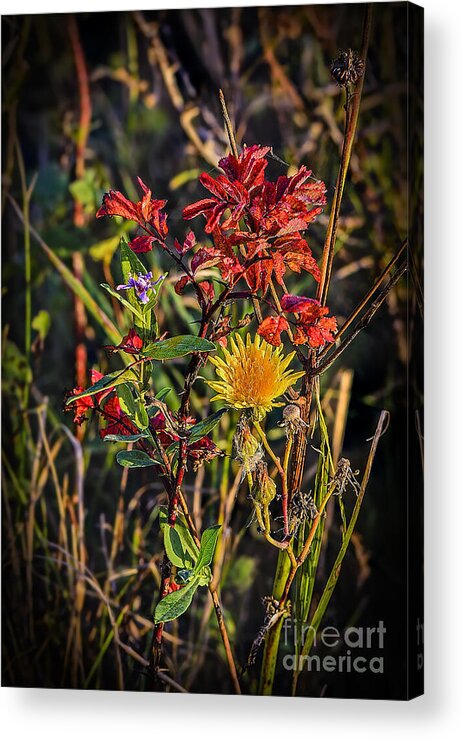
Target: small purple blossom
x=141 y=284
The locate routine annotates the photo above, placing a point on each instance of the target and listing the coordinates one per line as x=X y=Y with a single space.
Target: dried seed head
x=246 y=448
x=302 y=509
x=264 y=489
x=292 y=420
x=291 y=413
x=347 y=68
x=345 y=476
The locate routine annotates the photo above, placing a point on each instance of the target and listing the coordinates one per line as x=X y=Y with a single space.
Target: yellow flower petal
x=253 y=374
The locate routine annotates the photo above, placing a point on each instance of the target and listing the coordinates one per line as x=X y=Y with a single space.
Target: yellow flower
x=252 y=375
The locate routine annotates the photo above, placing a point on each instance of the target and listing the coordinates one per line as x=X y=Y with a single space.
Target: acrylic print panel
x=212 y=351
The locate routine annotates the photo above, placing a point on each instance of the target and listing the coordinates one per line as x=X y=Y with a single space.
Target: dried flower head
x=345 y=476
x=264 y=489
x=292 y=420
x=253 y=374
x=302 y=509
x=347 y=68
x=246 y=448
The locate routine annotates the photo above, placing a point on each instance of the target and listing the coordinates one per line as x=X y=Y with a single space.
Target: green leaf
x=86 y=190
x=184 y=177
x=126 y=437
x=108 y=381
x=204 y=576
x=189 y=546
x=141 y=417
x=41 y=323
x=126 y=400
x=168 y=349
x=172 y=448
x=162 y=394
x=176 y=553
x=199 y=430
x=15 y=369
x=121 y=299
x=132 y=406
x=208 y=545
x=176 y=603
x=130 y=264
x=135 y=459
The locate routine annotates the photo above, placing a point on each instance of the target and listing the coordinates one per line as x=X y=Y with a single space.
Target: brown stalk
x=352 y=107
x=352 y=111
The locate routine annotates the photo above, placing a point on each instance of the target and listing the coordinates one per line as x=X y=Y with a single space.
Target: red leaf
x=295 y=224
x=202 y=451
x=118 y=422
x=190 y=241
x=195 y=209
x=250 y=166
x=116 y=204
x=181 y=284
x=299 y=336
x=271 y=327
x=146 y=211
x=208 y=290
x=80 y=406
x=313 y=326
x=144 y=187
x=95 y=375
x=158 y=425
x=298 y=304
x=141 y=244
x=205 y=257
x=322 y=331
x=258 y=276
x=298 y=256
x=214 y=186
x=131 y=343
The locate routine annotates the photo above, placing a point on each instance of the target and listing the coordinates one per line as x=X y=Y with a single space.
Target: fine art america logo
x=344 y=644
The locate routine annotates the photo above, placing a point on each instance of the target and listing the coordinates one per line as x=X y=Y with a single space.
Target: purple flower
x=141 y=284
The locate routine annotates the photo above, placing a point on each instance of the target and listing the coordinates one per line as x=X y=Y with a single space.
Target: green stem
x=26 y=197
x=272 y=640
x=283 y=472
x=336 y=569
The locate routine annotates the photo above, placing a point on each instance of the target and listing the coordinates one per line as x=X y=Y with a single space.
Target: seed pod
x=347 y=68
x=292 y=420
x=302 y=509
x=246 y=448
x=264 y=489
x=291 y=413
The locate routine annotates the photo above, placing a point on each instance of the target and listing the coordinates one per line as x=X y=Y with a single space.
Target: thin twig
x=352 y=111
x=357 y=310
x=364 y=321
